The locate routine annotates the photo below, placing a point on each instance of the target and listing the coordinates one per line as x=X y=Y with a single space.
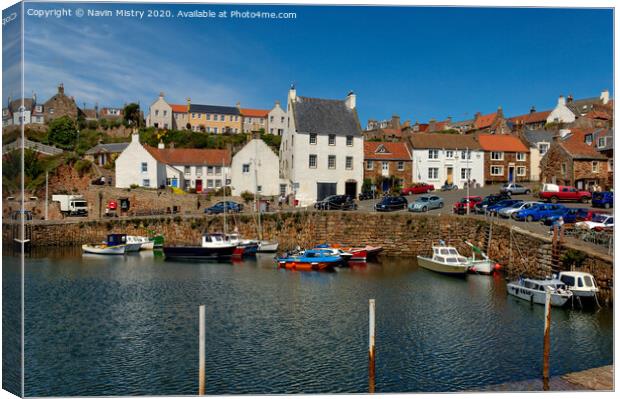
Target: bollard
x=371 y=346
x=547 y=340
x=201 y=350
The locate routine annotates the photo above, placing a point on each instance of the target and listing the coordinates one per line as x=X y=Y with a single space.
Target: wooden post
x=46 y=193
x=371 y=346
x=201 y=351
x=547 y=340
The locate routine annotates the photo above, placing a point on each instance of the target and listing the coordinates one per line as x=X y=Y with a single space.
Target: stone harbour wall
x=519 y=252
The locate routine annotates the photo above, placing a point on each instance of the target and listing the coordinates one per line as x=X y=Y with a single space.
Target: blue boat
x=309 y=260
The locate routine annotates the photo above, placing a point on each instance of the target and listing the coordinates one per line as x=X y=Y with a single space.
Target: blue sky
x=419 y=63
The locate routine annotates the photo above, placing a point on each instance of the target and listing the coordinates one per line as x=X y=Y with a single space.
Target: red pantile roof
x=501 y=142
x=386 y=150
x=532 y=117
x=484 y=121
x=190 y=156
x=393 y=132
x=598 y=115
x=179 y=108
x=254 y=113
x=575 y=144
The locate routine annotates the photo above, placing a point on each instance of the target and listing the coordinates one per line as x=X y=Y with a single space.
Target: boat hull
x=535 y=296
x=452 y=270
x=306 y=266
x=103 y=250
x=134 y=247
x=266 y=246
x=482 y=267
x=199 y=253
x=147 y=245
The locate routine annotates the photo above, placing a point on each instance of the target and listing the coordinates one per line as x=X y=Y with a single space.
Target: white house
x=322 y=152
x=186 y=168
x=539 y=142
x=256 y=167
x=452 y=158
x=567 y=109
x=277 y=120
x=160 y=114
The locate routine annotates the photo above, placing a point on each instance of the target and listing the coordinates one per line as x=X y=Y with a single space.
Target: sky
x=418 y=63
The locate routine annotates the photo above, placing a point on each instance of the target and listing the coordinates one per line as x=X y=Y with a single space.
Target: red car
x=554 y=193
x=460 y=208
x=421 y=188
x=588 y=214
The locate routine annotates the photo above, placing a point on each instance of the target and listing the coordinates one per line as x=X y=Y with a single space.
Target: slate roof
x=15 y=104
x=316 y=115
x=213 y=109
x=501 y=142
x=583 y=106
x=109 y=148
x=532 y=117
x=609 y=139
x=574 y=144
x=386 y=150
x=536 y=136
x=190 y=156
x=443 y=140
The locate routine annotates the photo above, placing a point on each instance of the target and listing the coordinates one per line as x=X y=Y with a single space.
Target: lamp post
x=468 y=155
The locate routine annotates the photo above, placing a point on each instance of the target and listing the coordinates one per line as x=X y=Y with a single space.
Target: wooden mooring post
x=371 y=346
x=547 y=340
x=201 y=350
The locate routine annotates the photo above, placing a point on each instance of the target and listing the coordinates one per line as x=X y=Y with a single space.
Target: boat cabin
x=213 y=238
x=116 y=239
x=448 y=255
x=541 y=285
x=578 y=280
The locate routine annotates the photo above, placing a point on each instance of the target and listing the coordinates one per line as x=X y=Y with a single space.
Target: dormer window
x=602 y=141
x=381 y=150
x=588 y=139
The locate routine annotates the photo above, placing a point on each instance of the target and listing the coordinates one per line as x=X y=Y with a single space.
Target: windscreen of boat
x=568 y=280
x=588 y=280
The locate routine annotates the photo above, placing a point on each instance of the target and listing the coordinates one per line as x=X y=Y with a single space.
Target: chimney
x=561 y=100
x=61 y=89
x=605 y=96
x=500 y=112
x=238 y=105
x=292 y=93
x=34 y=97
x=277 y=103
x=478 y=115
x=569 y=99
x=533 y=109
x=161 y=95
x=135 y=138
x=189 y=103
x=395 y=122
x=350 y=102
x=9 y=102
x=449 y=120
x=161 y=145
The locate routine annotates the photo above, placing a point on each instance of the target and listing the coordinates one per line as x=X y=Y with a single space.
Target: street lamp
x=468 y=155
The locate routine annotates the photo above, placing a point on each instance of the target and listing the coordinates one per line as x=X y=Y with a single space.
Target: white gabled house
x=439 y=158
x=256 y=167
x=322 y=150
x=186 y=168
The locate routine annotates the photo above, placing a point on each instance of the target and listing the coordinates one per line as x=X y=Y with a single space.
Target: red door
x=198 y=186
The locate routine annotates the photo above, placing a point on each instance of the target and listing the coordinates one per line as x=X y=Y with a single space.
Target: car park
x=598 y=222
x=489 y=200
x=336 y=202
x=388 y=204
x=603 y=200
x=224 y=206
x=514 y=188
x=418 y=188
x=465 y=204
x=498 y=206
x=538 y=212
x=568 y=216
x=511 y=210
x=426 y=202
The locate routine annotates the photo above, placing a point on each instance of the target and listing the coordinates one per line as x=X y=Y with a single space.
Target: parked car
x=388 y=204
x=366 y=195
x=449 y=187
x=538 y=212
x=418 y=188
x=588 y=214
x=598 y=222
x=603 y=200
x=490 y=200
x=460 y=208
x=339 y=202
x=513 y=188
x=554 y=193
x=511 y=210
x=220 y=207
x=425 y=203
x=498 y=206
x=568 y=216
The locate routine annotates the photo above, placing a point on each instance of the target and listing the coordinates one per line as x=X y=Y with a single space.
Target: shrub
x=247 y=197
x=133 y=186
x=83 y=166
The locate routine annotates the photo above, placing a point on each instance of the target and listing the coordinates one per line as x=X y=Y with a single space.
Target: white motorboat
x=121 y=239
x=267 y=246
x=446 y=260
x=581 y=284
x=481 y=265
x=535 y=291
x=144 y=242
x=103 y=249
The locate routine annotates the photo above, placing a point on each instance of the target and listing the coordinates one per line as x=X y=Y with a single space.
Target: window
x=433 y=173
x=449 y=154
x=282 y=120
x=198 y=171
x=165 y=113
x=214 y=130
x=497 y=170
x=465 y=173
x=348 y=163
x=209 y=183
x=312 y=161
x=401 y=165
x=331 y=162
x=245 y=168
x=259 y=188
x=146 y=183
x=433 y=154
x=497 y=156
x=594 y=166
x=312 y=138
x=218 y=170
x=385 y=166
x=602 y=141
x=521 y=156
x=588 y=139
x=218 y=183
x=520 y=170
x=369 y=165
x=144 y=167
x=610 y=165
x=282 y=190
x=271 y=119
x=543 y=148
x=350 y=141
x=332 y=139
x=156 y=112
x=186 y=170
x=564 y=168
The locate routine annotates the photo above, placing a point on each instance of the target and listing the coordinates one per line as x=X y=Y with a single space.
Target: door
x=511 y=173
x=449 y=172
x=174 y=182
x=350 y=188
x=324 y=190
x=198 y=185
x=385 y=168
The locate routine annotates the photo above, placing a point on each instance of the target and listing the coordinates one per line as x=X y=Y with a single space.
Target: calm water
x=129 y=326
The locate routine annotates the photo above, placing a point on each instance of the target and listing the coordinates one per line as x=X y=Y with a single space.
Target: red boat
x=361 y=254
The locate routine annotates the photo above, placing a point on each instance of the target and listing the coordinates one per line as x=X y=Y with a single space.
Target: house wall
x=377 y=170
x=267 y=172
x=583 y=173
x=275 y=122
x=128 y=166
x=160 y=114
x=510 y=159
x=422 y=164
x=180 y=120
x=561 y=112
x=204 y=173
x=231 y=122
x=253 y=124
x=535 y=159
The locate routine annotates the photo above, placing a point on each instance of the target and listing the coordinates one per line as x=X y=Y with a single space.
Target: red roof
x=255 y=113
x=386 y=150
x=190 y=156
x=532 y=117
x=501 y=142
x=484 y=121
x=179 y=108
x=394 y=132
x=575 y=144
x=598 y=115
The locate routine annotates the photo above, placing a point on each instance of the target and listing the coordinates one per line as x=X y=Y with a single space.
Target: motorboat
x=121 y=239
x=213 y=246
x=103 y=249
x=335 y=251
x=145 y=242
x=535 y=290
x=309 y=260
x=267 y=246
x=358 y=254
x=445 y=260
x=581 y=284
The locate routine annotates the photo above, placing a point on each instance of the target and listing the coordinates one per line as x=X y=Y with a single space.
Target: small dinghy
x=535 y=291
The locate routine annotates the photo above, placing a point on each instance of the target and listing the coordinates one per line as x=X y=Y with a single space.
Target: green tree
x=131 y=114
x=62 y=132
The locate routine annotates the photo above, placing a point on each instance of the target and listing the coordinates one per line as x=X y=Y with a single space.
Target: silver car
x=513 y=188
x=425 y=203
x=511 y=210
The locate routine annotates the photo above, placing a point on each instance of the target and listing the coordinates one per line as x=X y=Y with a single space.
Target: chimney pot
x=533 y=109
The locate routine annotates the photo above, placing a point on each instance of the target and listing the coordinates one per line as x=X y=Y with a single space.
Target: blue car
x=570 y=215
x=539 y=211
x=495 y=208
x=603 y=200
x=229 y=206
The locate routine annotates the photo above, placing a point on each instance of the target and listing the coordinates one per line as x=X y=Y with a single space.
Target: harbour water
x=128 y=325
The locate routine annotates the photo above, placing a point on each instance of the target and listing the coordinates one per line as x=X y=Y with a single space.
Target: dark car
x=388 y=204
x=490 y=200
x=224 y=206
x=603 y=200
x=366 y=195
x=339 y=202
x=496 y=207
x=570 y=215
